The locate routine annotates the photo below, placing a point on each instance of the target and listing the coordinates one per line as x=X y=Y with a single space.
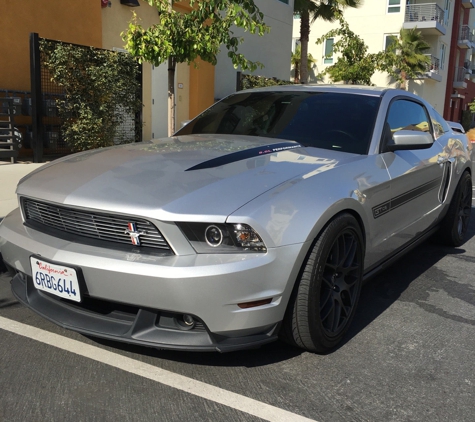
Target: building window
x=388 y=40
x=447 y=12
x=394 y=6
x=284 y=1
x=442 y=55
x=295 y=44
x=328 y=53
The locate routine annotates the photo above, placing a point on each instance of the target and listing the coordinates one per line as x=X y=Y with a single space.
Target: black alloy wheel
x=454 y=226
x=326 y=295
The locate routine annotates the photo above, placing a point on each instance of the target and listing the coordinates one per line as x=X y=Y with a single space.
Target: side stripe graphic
x=404 y=198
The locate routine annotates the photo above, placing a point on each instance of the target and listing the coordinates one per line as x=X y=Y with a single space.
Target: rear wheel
x=454 y=226
x=324 y=300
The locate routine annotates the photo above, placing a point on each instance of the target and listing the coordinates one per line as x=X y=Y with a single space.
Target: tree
x=185 y=37
x=101 y=92
x=296 y=59
x=405 y=56
x=311 y=10
x=355 y=65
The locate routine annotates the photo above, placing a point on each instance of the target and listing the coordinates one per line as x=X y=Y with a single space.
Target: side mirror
x=410 y=139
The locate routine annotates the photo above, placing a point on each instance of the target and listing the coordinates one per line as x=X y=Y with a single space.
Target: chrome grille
x=92 y=224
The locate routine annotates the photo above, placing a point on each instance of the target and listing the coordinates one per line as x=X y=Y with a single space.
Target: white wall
x=273 y=49
x=159 y=94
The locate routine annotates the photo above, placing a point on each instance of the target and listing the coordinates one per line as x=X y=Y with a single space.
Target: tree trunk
x=171 y=96
x=304 y=36
x=403 y=80
x=297 y=72
x=171 y=87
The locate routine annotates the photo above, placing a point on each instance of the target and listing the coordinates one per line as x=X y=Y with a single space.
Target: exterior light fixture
x=130 y=3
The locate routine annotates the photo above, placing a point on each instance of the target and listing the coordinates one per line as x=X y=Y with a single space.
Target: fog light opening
x=247 y=305
x=188 y=320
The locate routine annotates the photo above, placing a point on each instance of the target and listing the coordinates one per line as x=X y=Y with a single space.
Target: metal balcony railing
x=466 y=34
x=460 y=74
x=434 y=64
x=424 y=12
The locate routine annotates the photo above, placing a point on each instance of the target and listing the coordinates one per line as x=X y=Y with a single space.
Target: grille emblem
x=133 y=233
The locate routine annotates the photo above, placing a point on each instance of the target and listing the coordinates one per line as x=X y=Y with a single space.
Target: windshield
x=327 y=120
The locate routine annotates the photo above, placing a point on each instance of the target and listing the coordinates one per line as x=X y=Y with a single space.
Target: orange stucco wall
x=77 y=21
x=201 y=87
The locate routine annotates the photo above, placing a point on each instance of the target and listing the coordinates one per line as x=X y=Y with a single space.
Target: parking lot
x=407 y=357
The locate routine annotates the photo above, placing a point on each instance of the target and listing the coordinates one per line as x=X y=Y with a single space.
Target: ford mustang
x=260 y=219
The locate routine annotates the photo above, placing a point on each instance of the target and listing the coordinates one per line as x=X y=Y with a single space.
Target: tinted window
x=404 y=115
x=407 y=115
x=336 y=121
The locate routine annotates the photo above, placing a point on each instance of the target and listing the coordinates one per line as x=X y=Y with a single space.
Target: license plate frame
x=55 y=278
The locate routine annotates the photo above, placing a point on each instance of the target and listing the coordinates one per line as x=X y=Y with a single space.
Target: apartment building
x=447 y=25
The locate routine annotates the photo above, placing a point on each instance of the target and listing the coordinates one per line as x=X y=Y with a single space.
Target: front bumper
x=140 y=299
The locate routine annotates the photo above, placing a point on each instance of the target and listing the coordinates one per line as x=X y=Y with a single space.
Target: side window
x=405 y=115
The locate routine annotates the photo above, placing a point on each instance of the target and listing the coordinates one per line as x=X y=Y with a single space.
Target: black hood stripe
x=243 y=155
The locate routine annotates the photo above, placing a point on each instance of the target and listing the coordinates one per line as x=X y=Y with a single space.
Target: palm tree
x=410 y=58
x=309 y=11
x=296 y=60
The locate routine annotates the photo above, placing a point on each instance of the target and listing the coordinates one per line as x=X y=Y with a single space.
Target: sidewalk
x=10 y=174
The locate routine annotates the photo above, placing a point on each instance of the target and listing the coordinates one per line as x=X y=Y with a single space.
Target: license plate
x=55 y=279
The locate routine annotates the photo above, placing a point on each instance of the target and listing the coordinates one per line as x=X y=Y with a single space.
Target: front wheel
x=324 y=300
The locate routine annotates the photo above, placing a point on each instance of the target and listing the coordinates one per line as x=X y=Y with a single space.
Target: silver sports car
x=259 y=219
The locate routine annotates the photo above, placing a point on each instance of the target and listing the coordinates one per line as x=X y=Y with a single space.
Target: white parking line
x=180 y=382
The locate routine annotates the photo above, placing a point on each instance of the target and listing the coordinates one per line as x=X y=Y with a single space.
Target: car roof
x=347 y=89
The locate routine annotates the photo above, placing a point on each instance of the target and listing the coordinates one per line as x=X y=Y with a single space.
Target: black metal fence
x=38 y=117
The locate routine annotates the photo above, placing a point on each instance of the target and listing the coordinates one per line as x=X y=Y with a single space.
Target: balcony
x=466 y=38
x=459 y=78
x=432 y=71
x=468 y=4
x=427 y=17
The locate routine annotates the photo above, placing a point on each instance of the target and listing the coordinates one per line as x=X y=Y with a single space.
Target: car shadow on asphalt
x=378 y=294
x=391 y=285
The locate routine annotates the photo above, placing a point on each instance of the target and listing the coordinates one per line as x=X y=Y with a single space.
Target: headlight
x=222 y=238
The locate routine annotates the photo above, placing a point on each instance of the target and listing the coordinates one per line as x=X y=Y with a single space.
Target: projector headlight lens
x=222 y=238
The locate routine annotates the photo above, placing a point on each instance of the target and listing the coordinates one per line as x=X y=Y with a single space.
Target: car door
x=417 y=176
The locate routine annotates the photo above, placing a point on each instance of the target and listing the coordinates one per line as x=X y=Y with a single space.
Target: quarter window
x=440 y=125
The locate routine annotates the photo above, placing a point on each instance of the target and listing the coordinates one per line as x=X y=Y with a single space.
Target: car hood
x=181 y=178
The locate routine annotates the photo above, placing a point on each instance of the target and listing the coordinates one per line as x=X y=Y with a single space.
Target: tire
x=454 y=226
x=325 y=297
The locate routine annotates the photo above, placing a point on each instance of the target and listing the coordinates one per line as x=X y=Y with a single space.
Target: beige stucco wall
x=272 y=50
x=114 y=21
x=192 y=86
